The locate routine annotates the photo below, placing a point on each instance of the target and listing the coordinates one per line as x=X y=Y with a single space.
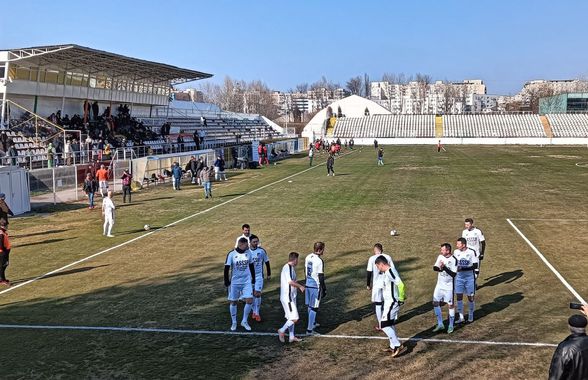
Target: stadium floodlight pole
x=2 y=119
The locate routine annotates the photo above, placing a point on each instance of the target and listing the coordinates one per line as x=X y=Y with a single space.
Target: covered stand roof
x=75 y=57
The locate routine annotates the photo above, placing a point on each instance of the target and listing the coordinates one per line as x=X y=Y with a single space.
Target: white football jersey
x=390 y=281
x=475 y=237
x=376 y=274
x=314 y=266
x=465 y=259
x=287 y=291
x=444 y=280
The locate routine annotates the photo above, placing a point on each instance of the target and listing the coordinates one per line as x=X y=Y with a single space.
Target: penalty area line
x=14 y=287
x=268 y=334
x=547 y=263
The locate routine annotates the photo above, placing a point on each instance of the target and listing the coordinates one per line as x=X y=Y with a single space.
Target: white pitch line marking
x=253 y=334
x=557 y=274
x=550 y=220
x=14 y=287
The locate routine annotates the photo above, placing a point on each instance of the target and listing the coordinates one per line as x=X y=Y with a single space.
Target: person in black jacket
x=570 y=360
x=4 y=209
x=330 y=164
x=90 y=187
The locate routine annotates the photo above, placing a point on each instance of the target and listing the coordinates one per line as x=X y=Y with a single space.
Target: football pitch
x=153 y=304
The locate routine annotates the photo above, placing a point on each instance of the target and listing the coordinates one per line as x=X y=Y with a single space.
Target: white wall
x=471 y=141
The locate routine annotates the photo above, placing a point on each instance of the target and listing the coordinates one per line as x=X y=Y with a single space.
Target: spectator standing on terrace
x=13 y=154
x=177 y=174
x=102 y=176
x=90 y=186
x=196 y=139
x=50 y=155
x=180 y=141
x=234 y=155
x=219 y=169
x=4 y=140
x=67 y=152
x=126 y=180
x=95 y=110
x=4 y=209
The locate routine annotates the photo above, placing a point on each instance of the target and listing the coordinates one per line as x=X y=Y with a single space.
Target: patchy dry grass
x=173 y=278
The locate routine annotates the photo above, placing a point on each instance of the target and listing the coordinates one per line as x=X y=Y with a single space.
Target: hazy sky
x=503 y=42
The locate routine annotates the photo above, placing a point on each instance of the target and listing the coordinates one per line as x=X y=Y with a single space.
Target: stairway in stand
x=438 y=126
x=546 y=126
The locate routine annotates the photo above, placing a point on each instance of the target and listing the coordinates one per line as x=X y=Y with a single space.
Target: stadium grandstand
x=73 y=94
x=358 y=118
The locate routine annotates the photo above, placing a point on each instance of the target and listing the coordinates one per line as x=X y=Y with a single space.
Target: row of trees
x=240 y=96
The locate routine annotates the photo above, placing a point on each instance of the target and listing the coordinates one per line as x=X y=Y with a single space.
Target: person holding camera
x=570 y=360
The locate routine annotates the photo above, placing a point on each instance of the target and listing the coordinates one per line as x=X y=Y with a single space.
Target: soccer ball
x=394 y=233
x=146 y=227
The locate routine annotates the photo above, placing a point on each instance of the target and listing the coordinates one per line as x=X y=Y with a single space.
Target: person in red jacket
x=4 y=252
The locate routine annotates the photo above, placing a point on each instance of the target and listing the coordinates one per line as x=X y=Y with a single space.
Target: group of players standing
x=457 y=273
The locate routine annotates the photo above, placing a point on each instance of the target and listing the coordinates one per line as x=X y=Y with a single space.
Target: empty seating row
x=568 y=125
x=385 y=126
x=492 y=126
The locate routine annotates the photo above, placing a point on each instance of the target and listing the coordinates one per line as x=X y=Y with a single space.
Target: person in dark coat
x=4 y=209
x=570 y=360
x=330 y=165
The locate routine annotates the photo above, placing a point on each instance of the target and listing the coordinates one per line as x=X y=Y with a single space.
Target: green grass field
x=172 y=278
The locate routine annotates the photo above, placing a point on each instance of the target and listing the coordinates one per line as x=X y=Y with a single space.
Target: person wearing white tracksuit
x=108 y=213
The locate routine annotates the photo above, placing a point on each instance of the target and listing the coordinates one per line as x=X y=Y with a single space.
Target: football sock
x=291 y=329
x=311 y=318
x=246 y=312
x=390 y=331
x=378 y=312
x=451 y=317
x=439 y=315
x=460 y=308
x=287 y=325
x=233 y=310
x=471 y=310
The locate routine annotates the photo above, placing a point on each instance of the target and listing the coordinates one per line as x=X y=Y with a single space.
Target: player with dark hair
x=315 y=285
x=446 y=266
x=393 y=292
x=475 y=239
x=259 y=256
x=240 y=283
x=374 y=281
x=288 y=291
x=465 y=281
x=246 y=229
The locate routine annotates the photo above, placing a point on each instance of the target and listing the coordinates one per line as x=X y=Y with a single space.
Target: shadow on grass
x=64 y=273
x=138 y=230
x=60 y=207
x=39 y=233
x=42 y=242
x=502 y=278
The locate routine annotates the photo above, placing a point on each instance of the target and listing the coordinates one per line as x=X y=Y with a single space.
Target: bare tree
x=302 y=87
x=366 y=85
x=423 y=83
x=355 y=85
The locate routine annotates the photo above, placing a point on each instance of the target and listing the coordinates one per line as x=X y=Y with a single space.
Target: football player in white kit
x=260 y=257
x=394 y=296
x=465 y=281
x=446 y=265
x=476 y=241
x=288 y=288
x=240 y=282
x=246 y=234
x=374 y=281
x=315 y=285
